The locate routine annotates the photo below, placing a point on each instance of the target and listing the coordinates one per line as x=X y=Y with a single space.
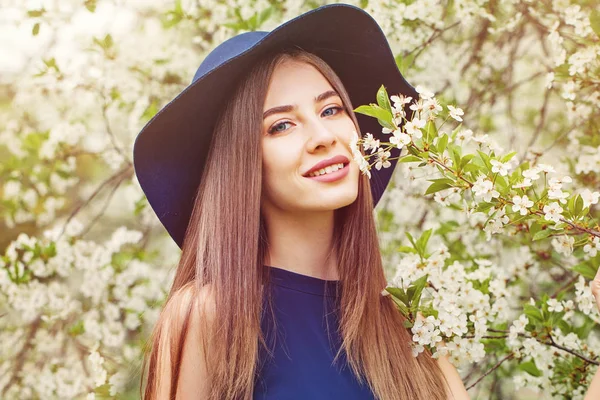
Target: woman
x=278 y=291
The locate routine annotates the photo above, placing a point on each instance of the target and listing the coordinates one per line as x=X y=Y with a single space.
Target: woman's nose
x=320 y=135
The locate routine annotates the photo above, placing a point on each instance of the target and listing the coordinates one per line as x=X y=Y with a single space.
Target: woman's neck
x=302 y=243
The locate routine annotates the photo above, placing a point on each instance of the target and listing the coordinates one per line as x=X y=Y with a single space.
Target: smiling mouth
x=327 y=170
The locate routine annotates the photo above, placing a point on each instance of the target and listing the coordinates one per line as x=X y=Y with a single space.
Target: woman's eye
x=336 y=108
x=274 y=127
x=327 y=113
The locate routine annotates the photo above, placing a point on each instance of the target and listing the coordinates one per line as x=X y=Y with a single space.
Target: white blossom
x=553 y=212
x=499 y=167
x=424 y=93
x=370 y=143
x=483 y=187
x=593 y=247
x=589 y=198
x=382 y=159
x=554 y=305
x=521 y=204
x=413 y=128
x=456 y=113
x=563 y=244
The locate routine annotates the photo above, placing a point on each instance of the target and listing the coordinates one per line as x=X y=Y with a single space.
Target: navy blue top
x=302 y=366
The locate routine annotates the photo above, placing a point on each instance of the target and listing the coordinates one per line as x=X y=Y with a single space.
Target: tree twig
x=495 y=367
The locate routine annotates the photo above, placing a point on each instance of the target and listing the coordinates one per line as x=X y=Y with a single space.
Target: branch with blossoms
x=485 y=174
x=451 y=307
x=110 y=270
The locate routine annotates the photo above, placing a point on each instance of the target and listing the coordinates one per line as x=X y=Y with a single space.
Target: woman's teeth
x=327 y=170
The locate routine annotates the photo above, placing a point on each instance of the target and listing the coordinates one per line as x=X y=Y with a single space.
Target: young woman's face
x=305 y=123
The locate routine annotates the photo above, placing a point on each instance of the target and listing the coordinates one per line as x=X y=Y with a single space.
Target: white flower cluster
x=584 y=298
x=458 y=303
x=74 y=284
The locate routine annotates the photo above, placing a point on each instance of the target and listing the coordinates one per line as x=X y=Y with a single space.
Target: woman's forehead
x=295 y=81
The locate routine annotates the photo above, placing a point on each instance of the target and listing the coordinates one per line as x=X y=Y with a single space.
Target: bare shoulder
x=200 y=300
x=456 y=387
x=186 y=316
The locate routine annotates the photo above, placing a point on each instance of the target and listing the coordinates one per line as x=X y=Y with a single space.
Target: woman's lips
x=332 y=176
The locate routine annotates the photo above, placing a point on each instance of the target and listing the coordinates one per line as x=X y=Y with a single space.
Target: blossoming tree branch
x=452 y=307
x=488 y=251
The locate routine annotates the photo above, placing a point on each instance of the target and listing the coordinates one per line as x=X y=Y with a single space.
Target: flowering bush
x=470 y=306
x=487 y=251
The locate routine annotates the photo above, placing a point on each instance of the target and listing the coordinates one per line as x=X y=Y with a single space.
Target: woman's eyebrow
x=288 y=108
x=326 y=95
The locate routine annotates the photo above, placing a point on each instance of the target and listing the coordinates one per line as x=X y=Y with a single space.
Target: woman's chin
x=338 y=200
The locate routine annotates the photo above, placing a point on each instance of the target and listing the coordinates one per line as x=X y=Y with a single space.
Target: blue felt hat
x=170 y=151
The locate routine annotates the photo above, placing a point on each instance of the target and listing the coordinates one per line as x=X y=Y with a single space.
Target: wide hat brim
x=170 y=151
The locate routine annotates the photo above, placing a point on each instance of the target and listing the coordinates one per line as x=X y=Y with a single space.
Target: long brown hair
x=224 y=249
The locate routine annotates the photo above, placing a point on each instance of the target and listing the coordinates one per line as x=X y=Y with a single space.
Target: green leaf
x=383 y=99
x=139 y=206
x=595 y=21
x=442 y=143
x=501 y=183
x=530 y=368
x=264 y=16
x=386 y=124
x=586 y=270
x=36 y=13
x=534 y=228
x=436 y=187
x=150 y=111
x=472 y=168
x=555 y=318
x=578 y=205
x=114 y=94
x=412 y=240
x=412 y=150
x=398 y=293
x=410 y=158
x=443 y=180
x=415 y=293
x=373 y=110
x=542 y=234
x=564 y=326
x=105 y=43
x=77 y=328
x=422 y=243
x=508 y=157
x=404 y=62
x=36 y=29
x=51 y=63
x=570 y=204
x=484 y=207
x=401 y=306
x=455 y=154
x=533 y=312
x=446 y=227
x=465 y=160
x=486 y=159
x=49 y=251
x=429 y=131
x=90 y=5
x=406 y=249
x=176 y=15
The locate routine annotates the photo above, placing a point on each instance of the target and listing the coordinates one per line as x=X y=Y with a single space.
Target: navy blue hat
x=170 y=151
